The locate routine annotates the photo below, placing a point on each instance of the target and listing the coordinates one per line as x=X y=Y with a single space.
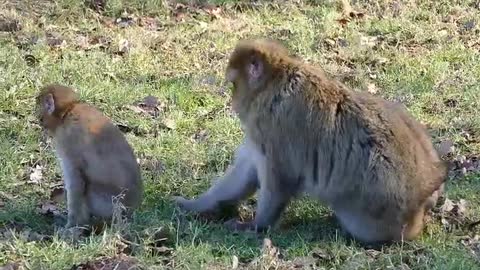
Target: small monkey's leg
x=239 y=181
x=100 y=204
x=78 y=213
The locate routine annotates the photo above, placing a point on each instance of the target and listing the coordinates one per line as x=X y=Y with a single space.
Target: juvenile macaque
x=365 y=157
x=97 y=162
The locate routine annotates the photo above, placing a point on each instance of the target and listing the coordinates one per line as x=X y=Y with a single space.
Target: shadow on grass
x=22 y=215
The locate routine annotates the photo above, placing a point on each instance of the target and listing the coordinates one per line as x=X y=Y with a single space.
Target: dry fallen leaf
x=179 y=12
x=152 y=165
x=213 y=11
x=149 y=23
x=466 y=164
x=168 y=123
x=149 y=101
x=36 y=175
x=348 y=10
x=234 y=262
x=150 y=105
x=126 y=20
x=159 y=240
x=450 y=102
x=457 y=208
x=97 y=5
x=200 y=136
x=119 y=262
x=82 y=42
x=48 y=208
x=54 y=40
x=396 y=7
x=372 y=88
x=10 y=266
x=473 y=244
x=445 y=147
x=453 y=213
x=343 y=21
x=135 y=109
x=57 y=194
x=349 y=13
x=25 y=41
x=100 y=42
x=402 y=266
x=123 y=47
x=330 y=42
x=9 y=25
x=321 y=254
x=368 y=41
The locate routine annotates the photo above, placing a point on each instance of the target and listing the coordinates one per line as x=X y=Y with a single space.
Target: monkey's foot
x=236 y=225
x=72 y=234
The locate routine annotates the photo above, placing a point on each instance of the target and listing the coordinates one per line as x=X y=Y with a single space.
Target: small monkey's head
x=52 y=103
x=252 y=65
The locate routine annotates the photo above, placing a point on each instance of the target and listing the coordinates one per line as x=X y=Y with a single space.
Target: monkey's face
x=44 y=112
x=40 y=111
x=240 y=89
x=245 y=72
x=42 y=117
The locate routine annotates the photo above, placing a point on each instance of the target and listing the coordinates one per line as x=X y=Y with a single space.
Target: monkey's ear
x=255 y=68
x=49 y=104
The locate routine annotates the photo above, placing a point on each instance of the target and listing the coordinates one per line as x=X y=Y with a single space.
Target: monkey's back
x=379 y=156
x=419 y=162
x=351 y=150
x=108 y=160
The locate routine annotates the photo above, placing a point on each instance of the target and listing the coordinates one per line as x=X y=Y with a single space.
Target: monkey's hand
x=201 y=205
x=185 y=204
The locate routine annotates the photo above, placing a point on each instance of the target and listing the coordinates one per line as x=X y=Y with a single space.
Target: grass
x=422 y=53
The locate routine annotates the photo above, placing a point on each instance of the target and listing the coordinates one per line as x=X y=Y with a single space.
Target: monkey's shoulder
x=88 y=125
x=89 y=118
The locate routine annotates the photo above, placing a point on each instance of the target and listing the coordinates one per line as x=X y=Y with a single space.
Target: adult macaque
x=97 y=162
x=366 y=158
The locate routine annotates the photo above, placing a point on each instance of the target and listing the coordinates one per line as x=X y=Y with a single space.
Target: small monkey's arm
x=78 y=213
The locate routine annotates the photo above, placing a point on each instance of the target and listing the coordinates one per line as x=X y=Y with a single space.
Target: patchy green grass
x=422 y=53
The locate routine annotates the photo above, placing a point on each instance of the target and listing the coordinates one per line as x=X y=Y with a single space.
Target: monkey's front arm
x=239 y=181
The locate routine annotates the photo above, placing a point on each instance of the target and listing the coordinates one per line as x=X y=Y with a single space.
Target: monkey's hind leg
x=100 y=204
x=433 y=199
x=239 y=181
x=106 y=208
x=273 y=198
x=367 y=229
x=415 y=226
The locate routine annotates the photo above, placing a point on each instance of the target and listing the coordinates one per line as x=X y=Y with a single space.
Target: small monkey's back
x=111 y=165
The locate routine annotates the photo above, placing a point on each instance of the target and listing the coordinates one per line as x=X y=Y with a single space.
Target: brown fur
x=97 y=161
x=365 y=157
